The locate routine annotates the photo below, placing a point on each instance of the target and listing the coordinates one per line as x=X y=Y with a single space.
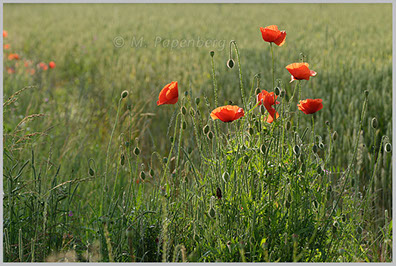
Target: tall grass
x=92 y=176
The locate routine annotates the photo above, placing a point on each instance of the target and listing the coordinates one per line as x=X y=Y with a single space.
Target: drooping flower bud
x=230 y=63
x=124 y=94
x=374 y=123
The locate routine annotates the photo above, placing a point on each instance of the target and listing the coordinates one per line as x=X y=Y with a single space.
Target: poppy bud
x=327 y=123
x=288 y=125
x=91 y=171
x=218 y=193
x=262 y=109
x=165 y=160
x=171 y=139
x=251 y=131
x=186 y=93
x=122 y=160
x=257 y=91
x=142 y=175
x=366 y=93
x=315 y=148
x=374 y=123
x=124 y=94
x=136 y=151
x=183 y=110
x=212 y=213
x=184 y=125
x=335 y=135
x=197 y=100
x=388 y=147
x=206 y=129
x=225 y=176
x=151 y=172
x=230 y=63
x=315 y=204
x=296 y=150
x=211 y=53
x=277 y=91
x=210 y=135
x=282 y=93
x=321 y=145
x=262 y=149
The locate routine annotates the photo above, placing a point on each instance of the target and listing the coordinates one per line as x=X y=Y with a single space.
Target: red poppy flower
x=6 y=46
x=169 y=94
x=300 y=71
x=43 y=66
x=272 y=34
x=268 y=99
x=5 y=34
x=13 y=57
x=227 y=113
x=310 y=106
x=52 y=64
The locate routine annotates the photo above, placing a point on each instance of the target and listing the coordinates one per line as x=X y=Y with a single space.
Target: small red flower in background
x=272 y=34
x=300 y=71
x=6 y=46
x=268 y=99
x=10 y=70
x=169 y=94
x=27 y=63
x=52 y=64
x=310 y=106
x=13 y=57
x=227 y=113
x=5 y=34
x=43 y=66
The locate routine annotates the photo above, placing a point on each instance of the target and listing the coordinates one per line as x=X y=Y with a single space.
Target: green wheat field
x=95 y=171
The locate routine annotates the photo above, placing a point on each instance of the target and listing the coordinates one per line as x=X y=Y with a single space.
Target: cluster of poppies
x=299 y=71
x=27 y=63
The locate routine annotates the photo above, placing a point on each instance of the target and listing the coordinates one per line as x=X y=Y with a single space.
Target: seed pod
x=296 y=150
x=211 y=53
x=124 y=94
x=165 y=160
x=136 y=151
x=262 y=149
x=230 y=63
x=142 y=175
x=171 y=139
x=388 y=147
x=186 y=93
x=91 y=171
x=225 y=176
x=251 y=131
x=277 y=91
x=197 y=100
x=184 y=125
x=315 y=148
x=288 y=125
x=206 y=129
x=335 y=135
x=183 y=110
x=151 y=172
x=374 y=123
x=122 y=160
x=257 y=91
x=210 y=135
x=218 y=193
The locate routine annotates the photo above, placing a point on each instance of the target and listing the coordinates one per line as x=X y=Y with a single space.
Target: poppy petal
x=281 y=39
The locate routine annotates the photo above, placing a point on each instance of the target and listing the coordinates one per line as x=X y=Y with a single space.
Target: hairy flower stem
x=240 y=74
x=107 y=155
x=273 y=66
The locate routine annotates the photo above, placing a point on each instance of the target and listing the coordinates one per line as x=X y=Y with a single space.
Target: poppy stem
x=240 y=74
x=273 y=66
x=215 y=82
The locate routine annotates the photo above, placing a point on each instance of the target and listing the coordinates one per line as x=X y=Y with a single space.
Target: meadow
x=94 y=170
